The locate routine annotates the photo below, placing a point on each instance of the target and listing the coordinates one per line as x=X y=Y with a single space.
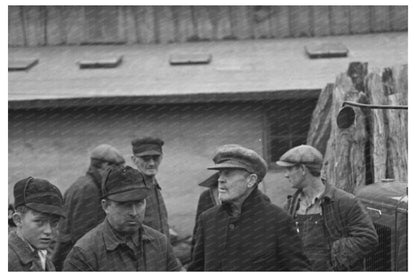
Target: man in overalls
x=336 y=231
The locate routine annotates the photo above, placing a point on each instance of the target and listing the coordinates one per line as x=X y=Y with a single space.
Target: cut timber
x=397 y=143
x=320 y=127
x=344 y=162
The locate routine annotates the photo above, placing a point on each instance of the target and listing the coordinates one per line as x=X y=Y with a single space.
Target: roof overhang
x=239 y=70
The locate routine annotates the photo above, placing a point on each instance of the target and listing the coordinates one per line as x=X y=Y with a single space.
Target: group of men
x=114 y=218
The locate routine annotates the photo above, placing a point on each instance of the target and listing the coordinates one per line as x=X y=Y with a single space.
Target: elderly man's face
x=125 y=217
x=148 y=165
x=233 y=184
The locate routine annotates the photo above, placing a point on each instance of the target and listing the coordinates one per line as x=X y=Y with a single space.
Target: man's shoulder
x=84 y=184
x=151 y=233
x=91 y=238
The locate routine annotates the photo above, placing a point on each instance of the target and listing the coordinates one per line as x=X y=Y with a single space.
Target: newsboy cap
x=147 y=146
x=39 y=195
x=123 y=184
x=302 y=154
x=239 y=157
x=107 y=153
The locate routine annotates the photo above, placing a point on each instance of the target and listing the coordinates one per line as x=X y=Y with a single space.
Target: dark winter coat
x=156 y=215
x=262 y=238
x=351 y=232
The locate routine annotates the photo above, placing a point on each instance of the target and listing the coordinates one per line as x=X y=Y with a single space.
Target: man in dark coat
x=336 y=231
x=147 y=156
x=122 y=242
x=83 y=202
x=245 y=232
x=38 y=210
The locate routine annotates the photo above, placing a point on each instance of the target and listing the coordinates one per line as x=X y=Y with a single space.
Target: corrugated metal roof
x=257 y=68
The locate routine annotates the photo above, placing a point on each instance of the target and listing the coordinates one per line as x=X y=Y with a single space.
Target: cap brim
x=148 y=153
x=226 y=165
x=47 y=209
x=130 y=195
x=285 y=164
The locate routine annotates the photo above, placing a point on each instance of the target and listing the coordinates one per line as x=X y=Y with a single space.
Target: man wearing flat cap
x=245 y=232
x=336 y=231
x=147 y=156
x=83 y=201
x=38 y=208
x=122 y=242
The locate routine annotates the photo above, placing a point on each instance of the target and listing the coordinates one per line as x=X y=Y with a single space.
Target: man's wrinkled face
x=147 y=165
x=125 y=217
x=295 y=175
x=232 y=184
x=39 y=229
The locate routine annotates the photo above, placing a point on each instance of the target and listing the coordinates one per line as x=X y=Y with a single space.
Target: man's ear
x=17 y=219
x=252 y=180
x=104 y=205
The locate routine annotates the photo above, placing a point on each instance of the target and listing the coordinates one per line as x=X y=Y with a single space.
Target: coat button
x=232 y=226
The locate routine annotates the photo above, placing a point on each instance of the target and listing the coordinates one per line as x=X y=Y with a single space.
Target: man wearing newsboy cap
x=335 y=229
x=38 y=207
x=122 y=242
x=147 y=156
x=83 y=201
x=245 y=232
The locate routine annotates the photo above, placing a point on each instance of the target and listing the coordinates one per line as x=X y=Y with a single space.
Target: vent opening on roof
x=110 y=62
x=22 y=64
x=326 y=50
x=189 y=59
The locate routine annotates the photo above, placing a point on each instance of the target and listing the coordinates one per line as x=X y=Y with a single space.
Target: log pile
x=375 y=147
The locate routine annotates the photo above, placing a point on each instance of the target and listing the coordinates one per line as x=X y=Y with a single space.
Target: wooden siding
x=76 y=25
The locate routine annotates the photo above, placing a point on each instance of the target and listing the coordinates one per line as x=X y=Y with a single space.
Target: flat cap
x=147 y=146
x=239 y=157
x=123 y=184
x=107 y=153
x=302 y=154
x=39 y=195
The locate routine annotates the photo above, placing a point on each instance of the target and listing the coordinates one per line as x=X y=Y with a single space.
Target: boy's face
x=37 y=228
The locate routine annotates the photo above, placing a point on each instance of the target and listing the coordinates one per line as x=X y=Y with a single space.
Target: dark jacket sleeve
x=290 y=249
x=359 y=240
x=77 y=260
x=197 y=263
x=173 y=263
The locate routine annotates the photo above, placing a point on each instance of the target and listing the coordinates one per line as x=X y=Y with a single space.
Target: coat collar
x=112 y=241
x=23 y=250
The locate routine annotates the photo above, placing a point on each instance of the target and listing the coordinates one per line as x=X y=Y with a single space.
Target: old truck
x=387 y=204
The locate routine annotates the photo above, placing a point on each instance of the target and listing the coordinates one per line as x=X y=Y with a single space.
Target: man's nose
x=47 y=228
x=151 y=161
x=134 y=210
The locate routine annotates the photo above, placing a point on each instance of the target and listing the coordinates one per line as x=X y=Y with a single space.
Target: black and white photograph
x=210 y=137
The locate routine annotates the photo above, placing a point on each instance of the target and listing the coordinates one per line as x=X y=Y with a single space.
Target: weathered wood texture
x=375 y=147
x=66 y=25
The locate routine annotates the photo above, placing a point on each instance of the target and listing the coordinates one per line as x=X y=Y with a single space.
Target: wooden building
x=198 y=77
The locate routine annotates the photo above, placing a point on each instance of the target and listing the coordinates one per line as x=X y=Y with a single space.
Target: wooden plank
x=223 y=23
x=380 y=18
x=54 y=26
x=320 y=127
x=360 y=19
x=279 y=22
x=74 y=21
x=166 y=24
x=339 y=22
x=16 y=27
x=240 y=22
x=34 y=20
x=321 y=21
x=345 y=162
x=300 y=21
x=261 y=22
x=397 y=143
x=377 y=129
x=185 y=29
x=145 y=22
x=203 y=21
x=399 y=18
x=130 y=24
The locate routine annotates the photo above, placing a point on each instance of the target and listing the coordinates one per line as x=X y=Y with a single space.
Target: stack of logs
x=376 y=146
